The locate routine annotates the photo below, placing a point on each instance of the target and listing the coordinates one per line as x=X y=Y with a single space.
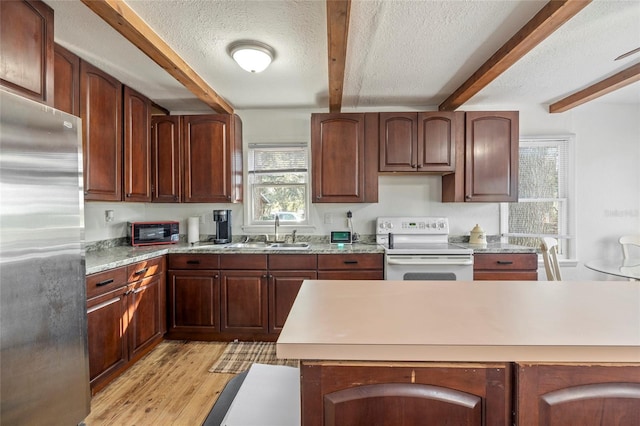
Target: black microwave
x=150 y=233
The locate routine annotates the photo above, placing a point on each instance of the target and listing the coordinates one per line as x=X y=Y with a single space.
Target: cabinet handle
x=467 y=197
x=128 y=195
x=505 y=262
x=350 y=262
x=413 y=166
x=216 y=276
x=193 y=262
x=141 y=271
x=105 y=282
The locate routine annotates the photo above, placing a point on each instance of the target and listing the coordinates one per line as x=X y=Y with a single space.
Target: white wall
x=607 y=166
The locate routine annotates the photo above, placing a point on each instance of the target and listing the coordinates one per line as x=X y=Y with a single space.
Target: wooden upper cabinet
x=344 y=156
x=26 y=49
x=101 y=113
x=491 y=156
x=166 y=157
x=212 y=154
x=438 y=135
x=398 y=142
x=137 y=146
x=67 y=81
x=419 y=141
x=488 y=171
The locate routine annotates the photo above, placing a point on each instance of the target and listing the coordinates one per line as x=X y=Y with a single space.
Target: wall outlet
x=328 y=218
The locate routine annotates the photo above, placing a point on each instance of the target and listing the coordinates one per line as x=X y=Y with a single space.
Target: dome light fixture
x=252 y=56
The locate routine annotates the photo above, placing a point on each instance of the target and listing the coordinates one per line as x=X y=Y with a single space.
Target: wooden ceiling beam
x=553 y=15
x=124 y=20
x=337 y=34
x=623 y=78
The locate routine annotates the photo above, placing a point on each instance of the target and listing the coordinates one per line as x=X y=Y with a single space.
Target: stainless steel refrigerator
x=43 y=323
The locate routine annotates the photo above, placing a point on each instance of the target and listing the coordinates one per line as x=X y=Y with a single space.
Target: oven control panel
x=413 y=225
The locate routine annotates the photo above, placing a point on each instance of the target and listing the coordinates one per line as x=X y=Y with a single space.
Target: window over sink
x=278 y=184
x=546 y=191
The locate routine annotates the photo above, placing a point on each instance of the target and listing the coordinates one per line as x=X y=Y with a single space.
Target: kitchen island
x=470 y=353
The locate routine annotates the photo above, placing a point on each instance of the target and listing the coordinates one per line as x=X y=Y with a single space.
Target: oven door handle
x=422 y=261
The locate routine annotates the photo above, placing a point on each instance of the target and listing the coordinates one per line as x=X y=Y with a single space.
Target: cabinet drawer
x=351 y=275
x=507 y=261
x=350 y=261
x=104 y=282
x=243 y=261
x=194 y=261
x=144 y=269
x=293 y=261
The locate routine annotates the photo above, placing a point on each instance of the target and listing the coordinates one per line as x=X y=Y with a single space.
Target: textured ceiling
x=400 y=53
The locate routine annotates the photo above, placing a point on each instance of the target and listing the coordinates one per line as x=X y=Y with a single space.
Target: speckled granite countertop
x=114 y=257
x=101 y=260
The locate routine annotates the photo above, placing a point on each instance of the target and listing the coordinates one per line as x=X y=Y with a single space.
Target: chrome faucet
x=276 y=225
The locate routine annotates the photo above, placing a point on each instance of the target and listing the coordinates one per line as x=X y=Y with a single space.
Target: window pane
x=280 y=178
x=538 y=217
x=274 y=159
x=539 y=177
x=288 y=201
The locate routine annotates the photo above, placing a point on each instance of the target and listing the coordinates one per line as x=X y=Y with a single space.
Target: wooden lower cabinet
x=283 y=289
x=106 y=328
x=585 y=395
x=126 y=317
x=244 y=301
x=193 y=301
x=402 y=393
x=505 y=266
x=354 y=266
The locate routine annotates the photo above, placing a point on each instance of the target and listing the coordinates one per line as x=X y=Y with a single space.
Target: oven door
x=412 y=267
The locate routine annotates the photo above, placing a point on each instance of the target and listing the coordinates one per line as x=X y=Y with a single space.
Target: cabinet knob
x=467 y=197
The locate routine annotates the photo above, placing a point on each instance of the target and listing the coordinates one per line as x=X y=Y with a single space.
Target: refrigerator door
x=43 y=322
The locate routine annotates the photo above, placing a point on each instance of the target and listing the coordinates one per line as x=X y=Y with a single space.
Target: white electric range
x=418 y=248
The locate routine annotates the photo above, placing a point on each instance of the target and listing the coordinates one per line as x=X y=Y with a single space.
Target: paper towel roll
x=193 y=230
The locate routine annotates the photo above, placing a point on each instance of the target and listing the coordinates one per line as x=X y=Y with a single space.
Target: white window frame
x=267 y=227
x=567 y=222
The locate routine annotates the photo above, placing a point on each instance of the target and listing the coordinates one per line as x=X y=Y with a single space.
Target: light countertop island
x=466 y=353
x=464 y=321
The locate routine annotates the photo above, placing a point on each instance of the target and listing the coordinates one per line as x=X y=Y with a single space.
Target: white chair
x=626 y=241
x=549 y=249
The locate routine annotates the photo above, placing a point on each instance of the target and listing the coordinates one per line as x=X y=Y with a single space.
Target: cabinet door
x=26 y=49
x=101 y=113
x=107 y=318
x=166 y=159
x=207 y=158
x=244 y=301
x=284 y=287
x=137 y=146
x=194 y=300
x=585 y=395
x=338 y=144
x=349 y=393
x=438 y=135
x=398 y=142
x=67 y=81
x=491 y=160
x=505 y=266
x=147 y=314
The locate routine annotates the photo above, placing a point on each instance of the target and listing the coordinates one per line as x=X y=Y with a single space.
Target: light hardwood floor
x=169 y=386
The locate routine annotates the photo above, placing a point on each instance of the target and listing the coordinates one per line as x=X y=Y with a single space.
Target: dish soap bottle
x=477 y=236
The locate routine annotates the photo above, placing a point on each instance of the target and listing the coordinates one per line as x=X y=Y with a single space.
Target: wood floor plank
x=169 y=386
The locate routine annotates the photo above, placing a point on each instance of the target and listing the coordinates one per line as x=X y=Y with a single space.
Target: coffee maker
x=222 y=218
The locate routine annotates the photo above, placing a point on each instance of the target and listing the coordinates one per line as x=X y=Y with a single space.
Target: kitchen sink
x=269 y=246
x=249 y=246
x=289 y=246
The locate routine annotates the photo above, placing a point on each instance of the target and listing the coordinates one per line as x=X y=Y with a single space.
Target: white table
x=625 y=268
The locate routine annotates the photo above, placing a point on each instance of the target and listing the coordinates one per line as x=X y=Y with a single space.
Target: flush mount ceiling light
x=252 y=56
